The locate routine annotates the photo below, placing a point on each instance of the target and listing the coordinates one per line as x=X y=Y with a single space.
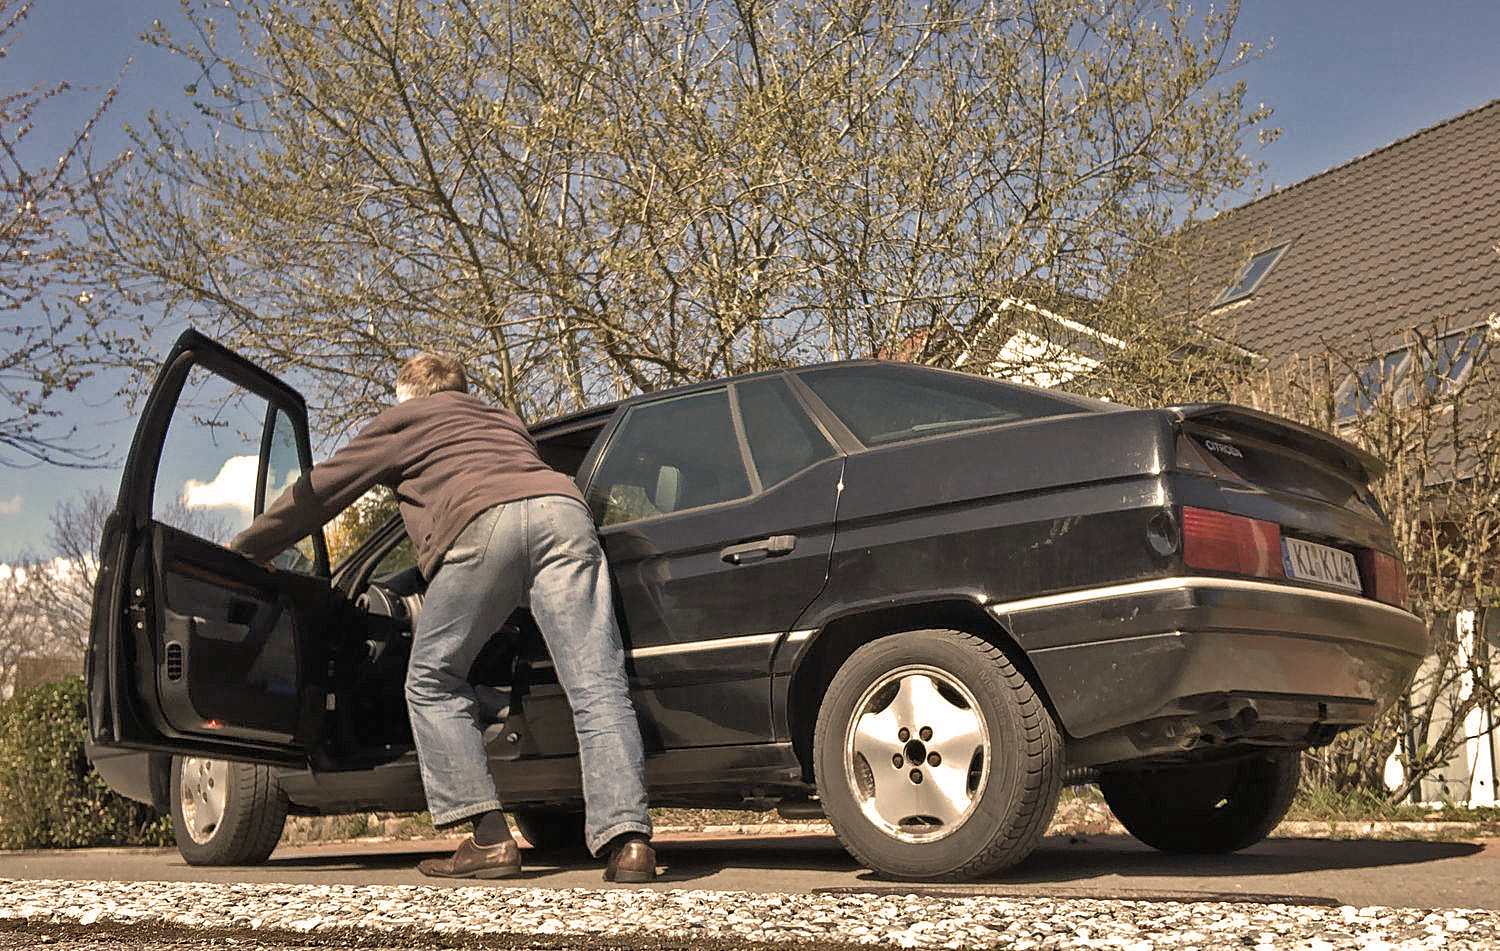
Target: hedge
x=50 y=797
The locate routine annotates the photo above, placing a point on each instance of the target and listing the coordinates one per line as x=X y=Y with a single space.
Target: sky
x=1344 y=78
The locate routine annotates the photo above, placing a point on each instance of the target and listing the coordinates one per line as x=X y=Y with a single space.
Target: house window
x=1438 y=368
x=1251 y=275
x=1451 y=358
x=1363 y=387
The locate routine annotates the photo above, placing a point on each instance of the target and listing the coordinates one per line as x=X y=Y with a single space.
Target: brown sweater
x=447 y=456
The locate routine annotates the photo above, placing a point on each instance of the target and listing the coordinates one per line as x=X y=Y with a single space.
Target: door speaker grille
x=174 y=661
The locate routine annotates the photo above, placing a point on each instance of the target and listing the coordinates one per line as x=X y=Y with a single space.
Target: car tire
x=550 y=831
x=934 y=757
x=225 y=813
x=1205 y=808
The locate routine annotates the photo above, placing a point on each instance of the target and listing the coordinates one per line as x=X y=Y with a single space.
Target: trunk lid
x=1238 y=444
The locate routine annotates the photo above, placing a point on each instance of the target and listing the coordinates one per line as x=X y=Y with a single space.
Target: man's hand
x=234 y=547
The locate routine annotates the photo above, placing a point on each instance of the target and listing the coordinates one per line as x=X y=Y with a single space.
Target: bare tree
x=1141 y=344
x=25 y=632
x=46 y=603
x=51 y=340
x=77 y=526
x=587 y=199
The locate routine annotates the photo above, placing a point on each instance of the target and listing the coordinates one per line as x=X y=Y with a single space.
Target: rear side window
x=783 y=441
x=894 y=402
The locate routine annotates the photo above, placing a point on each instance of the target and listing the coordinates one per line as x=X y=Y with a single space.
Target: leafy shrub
x=50 y=797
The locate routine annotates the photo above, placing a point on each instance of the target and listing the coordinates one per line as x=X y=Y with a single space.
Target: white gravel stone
x=892 y=921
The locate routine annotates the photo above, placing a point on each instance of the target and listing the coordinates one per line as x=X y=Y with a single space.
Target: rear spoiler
x=1315 y=442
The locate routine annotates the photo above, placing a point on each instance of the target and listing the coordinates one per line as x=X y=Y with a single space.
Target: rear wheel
x=1205 y=808
x=935 y=759
x=225 y=813
x=550 y=831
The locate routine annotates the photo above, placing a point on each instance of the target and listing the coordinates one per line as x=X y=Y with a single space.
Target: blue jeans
x=541 y=553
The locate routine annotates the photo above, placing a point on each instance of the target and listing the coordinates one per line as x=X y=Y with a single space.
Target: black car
x=909 y=599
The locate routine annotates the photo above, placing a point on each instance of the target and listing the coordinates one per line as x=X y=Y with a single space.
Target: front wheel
x=935 y=758
x=225 y=813
x=1206 y=807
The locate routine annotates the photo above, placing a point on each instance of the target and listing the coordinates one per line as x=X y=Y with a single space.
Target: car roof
x=602 y=410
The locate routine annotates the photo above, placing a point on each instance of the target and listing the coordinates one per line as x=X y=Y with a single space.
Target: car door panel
x=690 y=527
x=232 y=648
x=193 y=647
x=699 y=648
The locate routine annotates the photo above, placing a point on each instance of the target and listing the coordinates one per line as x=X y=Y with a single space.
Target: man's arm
x=321 y=493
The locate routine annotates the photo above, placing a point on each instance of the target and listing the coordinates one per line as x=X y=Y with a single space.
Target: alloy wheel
x=917 y=753
x=204 y=785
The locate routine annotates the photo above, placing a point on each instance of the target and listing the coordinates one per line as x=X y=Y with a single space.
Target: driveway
x=803 y=860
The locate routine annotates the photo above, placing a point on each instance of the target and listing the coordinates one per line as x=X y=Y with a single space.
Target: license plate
x=1309 y=561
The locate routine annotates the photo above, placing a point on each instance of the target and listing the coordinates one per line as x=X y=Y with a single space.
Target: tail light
x=1385 y=577
x=1218 y=541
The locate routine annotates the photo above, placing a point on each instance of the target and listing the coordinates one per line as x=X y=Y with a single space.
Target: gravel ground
x=153 y=914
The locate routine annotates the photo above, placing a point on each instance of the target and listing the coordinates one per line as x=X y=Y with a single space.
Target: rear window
x=886 y=403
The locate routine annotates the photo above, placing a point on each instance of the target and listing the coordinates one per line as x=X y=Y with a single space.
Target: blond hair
x=428 y=373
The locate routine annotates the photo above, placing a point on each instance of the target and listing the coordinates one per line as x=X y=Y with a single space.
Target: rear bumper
x=1175 y=665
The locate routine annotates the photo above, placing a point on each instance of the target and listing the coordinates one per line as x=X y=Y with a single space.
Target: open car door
x=193 y=647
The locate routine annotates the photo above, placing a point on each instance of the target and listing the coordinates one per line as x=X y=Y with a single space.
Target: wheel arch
x=842 y=635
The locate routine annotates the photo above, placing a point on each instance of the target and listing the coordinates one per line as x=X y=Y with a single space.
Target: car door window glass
x=783 y=440
x=669 y=456
x=566 y=451
x=401 y=557
x=283 y=462
x=894 y=402
x=205 y=481
x=210 y=461
x=284 y=465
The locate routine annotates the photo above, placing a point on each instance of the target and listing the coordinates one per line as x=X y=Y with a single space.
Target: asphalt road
x=1421 y=874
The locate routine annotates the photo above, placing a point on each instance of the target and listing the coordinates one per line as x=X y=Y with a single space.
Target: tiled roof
x=1394 y=239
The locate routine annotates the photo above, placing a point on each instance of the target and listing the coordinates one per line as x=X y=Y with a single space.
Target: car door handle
x=773 y=547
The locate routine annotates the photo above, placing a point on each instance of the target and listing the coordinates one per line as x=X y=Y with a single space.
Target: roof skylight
x=1251 y=275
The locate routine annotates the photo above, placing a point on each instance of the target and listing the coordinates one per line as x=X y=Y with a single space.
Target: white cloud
x=233 y=487
x=59 y=569
x=11 y=506
x=60 y=574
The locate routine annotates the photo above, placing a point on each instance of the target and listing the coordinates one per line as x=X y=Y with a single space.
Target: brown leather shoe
x=471 y=860
x=633 y=860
